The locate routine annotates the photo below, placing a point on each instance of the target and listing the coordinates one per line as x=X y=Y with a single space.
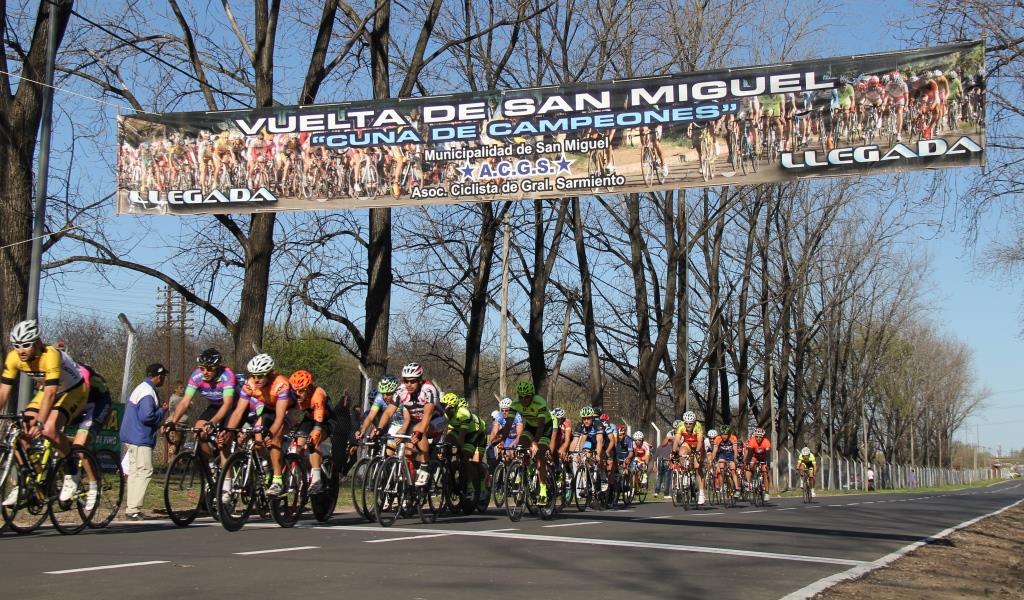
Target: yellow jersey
x=51 y=367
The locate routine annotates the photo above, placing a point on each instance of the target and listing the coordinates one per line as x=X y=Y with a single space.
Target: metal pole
x=775 y=436
x=43 y=174
x=658 y=432
x=129 y=355
x=503 y=335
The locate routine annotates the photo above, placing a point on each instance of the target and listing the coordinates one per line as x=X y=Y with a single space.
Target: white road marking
x=704 y=514
x=871 y=502
x=652 y=518
x=273 y=550
x=574 y=524
x=615 y=543
x=794 y=508
x=835 y=505
x=747 y=512
x=819 y=586
x=104 y=567
x=852 y=503
x=429 y=535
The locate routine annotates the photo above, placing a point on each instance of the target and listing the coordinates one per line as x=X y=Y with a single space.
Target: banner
x=855 y=115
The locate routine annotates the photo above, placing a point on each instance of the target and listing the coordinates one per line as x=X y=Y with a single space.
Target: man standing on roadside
x=143 y=415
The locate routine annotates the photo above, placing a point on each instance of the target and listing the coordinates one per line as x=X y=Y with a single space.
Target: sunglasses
x=23 y=346
x=260 y=376
x=410 y=381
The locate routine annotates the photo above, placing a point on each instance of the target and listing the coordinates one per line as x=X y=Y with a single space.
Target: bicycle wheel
x=111 y=489
x=498 y=485
x=390 y=489
x=30 y=510
x=357 y=487
x=677 y=489
x=286 y=508
x=323 y=503
x=581 y=489
x=184 y=488
x=236 y=485
x=641 y=486
x=435 y=495
x=807 y=491
x=647 y=165
x=516 y=486
x=70 y=507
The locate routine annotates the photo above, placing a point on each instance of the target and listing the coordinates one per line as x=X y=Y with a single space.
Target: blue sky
x=981 y=309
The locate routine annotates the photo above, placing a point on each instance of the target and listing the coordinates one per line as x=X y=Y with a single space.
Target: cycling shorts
x=69 y=403
x=772 y=110
x=546 y=429
x=474 y=442
x=307 y=425
x=209 y=413
x=95 y=414
x=729 y=458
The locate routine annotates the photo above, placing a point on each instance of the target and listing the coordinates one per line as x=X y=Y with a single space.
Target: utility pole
x=503 y=335
x=686 y=301
x=165 y=316
x=42 y=176
x=775 y=435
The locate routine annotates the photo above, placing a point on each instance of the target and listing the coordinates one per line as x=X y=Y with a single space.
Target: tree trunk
x=478 y=302
x=20 y=114
x=378 y=264
x=595 y=383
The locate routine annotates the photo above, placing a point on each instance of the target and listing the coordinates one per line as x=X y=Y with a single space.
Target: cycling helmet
x=689 y=417
x=604 y=417
x=638 y=436
x=558 y=413
x=953 y=74
x=450 y=399
x=724 y=430
x=758 y=432
x=301 y=379
x=805 y=451
x=388 y=384
x=412 y=371
x=873 y=80
x=621 y=428
x=938 y=73
x=495 y=414
x=261 y=364
x=586 y=412
x=676 y=424
x=463 y=403
x=25 y=332
x=525 y=388
x=505 y=403
x=209 y=358
x=712 y=433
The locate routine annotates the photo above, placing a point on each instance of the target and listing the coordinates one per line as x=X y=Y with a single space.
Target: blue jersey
x=589 y=432
x=623 y=447
x=382 y=405
x=513 y=422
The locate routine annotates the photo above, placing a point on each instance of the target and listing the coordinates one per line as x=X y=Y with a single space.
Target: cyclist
x=723 y=454
x=641 y=452
x=223 y=156
x=611 y=438
x=846 y=100
x=955 y=92
x=537 y=428
x=757 y=456
x=62 y=393
x=88 y=425
x=896 y=89
x=689 y=441
x=418 y=399
x=807 y=463
x=562 y=436
x=264 y=388
x=652 y=136
x=773 y=109
x=624 y=453
x=587 y=434
x=216 y=383
x=386 y=388
x=468 y=433
x=503 y=422
x=316 y=421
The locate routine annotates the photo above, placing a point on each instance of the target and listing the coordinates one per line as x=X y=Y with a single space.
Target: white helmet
x=558 y=412
x=505 y=403
x=412 y=371
x=638 y=436
x=805 y=451
x=260 y=364
x=759 y=431
x=676 y=424
x=25 y=332
x=495 y=414
x=712 y=433
x=689 y=417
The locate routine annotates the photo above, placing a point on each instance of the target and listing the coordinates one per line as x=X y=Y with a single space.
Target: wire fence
x=846 y=474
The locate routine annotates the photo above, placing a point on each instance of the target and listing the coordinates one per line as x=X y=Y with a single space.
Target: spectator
x=143 y=415
x=172 y=439
x=912 y=479
x=661 y=456
x=871 y=479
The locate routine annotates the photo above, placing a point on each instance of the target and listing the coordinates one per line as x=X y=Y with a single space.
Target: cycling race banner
x=856 y=115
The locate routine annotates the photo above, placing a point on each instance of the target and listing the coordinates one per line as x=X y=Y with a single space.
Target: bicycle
x=190 y=485
x=363 y=473
x=684 y=484
x=394 y=490
x=111 y=488
x=805 y=485
x=36 y=477
x=588 y=483
x=707 y=153
x=323 y=502
x=639 y=481
x=249 y=473
x=756 y=490
x=747 y=150
x=649 y=163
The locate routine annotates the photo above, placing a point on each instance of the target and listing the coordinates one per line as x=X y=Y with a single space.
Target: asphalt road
x=651 y=551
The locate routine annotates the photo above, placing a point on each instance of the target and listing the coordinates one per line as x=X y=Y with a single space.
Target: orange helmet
x=301 y=379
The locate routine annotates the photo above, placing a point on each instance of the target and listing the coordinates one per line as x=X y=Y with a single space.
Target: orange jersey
x=269 y=393
x=317 y=404
x=758 y=449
